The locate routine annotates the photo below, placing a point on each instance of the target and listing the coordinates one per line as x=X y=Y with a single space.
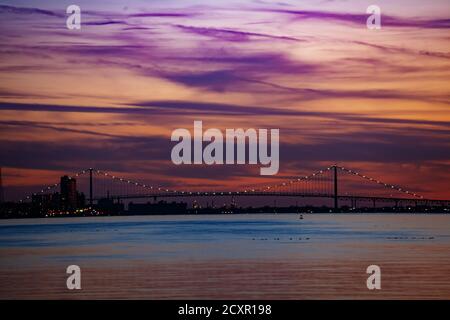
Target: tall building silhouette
x=68 y=193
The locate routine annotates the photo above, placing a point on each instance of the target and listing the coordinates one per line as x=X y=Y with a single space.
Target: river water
x=260 y=256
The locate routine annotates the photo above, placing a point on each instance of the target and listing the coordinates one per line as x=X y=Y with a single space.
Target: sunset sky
x=109 y=95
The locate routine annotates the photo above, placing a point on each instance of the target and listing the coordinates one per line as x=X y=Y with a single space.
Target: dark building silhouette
x=42 y=203
x=68 y=193
x=81 y=200
x=160 y=207
x=108 y=205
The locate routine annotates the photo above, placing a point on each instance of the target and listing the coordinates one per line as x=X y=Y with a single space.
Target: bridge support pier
x=336 y=204
x=90 y=187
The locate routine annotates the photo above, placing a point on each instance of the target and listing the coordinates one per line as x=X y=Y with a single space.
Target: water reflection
x=239 y=257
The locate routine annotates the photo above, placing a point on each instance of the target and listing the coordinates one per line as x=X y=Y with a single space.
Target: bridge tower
x=90 y=187
x=336 y=204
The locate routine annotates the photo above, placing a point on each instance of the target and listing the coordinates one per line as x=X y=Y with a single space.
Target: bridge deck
x=278 y=194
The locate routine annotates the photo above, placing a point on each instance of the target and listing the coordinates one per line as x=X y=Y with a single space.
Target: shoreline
x=232 y=214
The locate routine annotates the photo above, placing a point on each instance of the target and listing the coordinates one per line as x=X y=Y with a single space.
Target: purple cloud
x=236 y=71
x=160 y=15
x=29 y=11
x=403 y=50
x=232 y=35
x=193 y=108
x=391 y=146
x=104 y=23
x=360 y=19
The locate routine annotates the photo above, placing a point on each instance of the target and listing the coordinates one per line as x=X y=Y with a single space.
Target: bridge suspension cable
x=318 y=183
x=379 y=182
x=136 y=183
x=289 y=182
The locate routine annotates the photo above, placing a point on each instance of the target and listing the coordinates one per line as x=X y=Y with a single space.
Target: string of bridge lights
x=387 y=185
x=287 y=183
x=149 y=187
x=356 y=173
x=135 y=183
x=267 y=188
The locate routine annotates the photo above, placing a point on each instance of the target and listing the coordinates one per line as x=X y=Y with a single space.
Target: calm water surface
x=235 y=256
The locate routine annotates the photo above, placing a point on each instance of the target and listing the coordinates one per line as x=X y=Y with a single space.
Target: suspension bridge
x=336 y=183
